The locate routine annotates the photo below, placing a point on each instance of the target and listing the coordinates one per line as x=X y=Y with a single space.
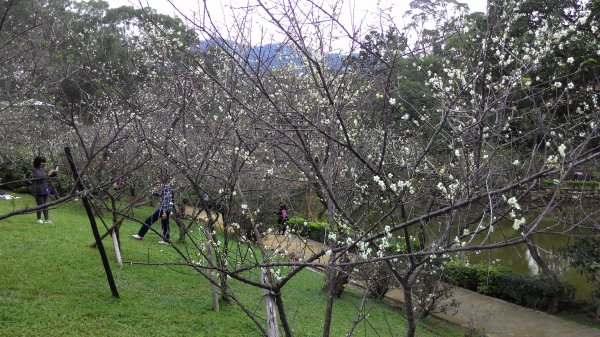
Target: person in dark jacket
x=39 y=187
x=164 y=209
x=282 y=218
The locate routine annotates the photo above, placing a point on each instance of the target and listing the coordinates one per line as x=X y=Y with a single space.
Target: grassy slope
x=53 y=284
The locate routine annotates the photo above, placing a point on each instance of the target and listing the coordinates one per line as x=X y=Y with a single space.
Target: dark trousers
x=282 y=226
x=40 y=200
x=151 y=219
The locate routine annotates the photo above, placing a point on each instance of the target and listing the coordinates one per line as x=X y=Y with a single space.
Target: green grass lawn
x=53 y=284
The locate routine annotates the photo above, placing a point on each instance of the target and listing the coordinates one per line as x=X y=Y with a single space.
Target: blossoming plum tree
x=418 y=143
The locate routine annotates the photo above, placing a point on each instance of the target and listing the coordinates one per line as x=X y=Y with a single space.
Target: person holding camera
x=39 y=188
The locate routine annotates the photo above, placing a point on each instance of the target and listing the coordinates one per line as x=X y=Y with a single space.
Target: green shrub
x=399 y=246
x=462 y=275
x=584 y=255
x=532 y=292
x=314 y=230
x=501 y=282
x=190 y=197
x=18 y=167
x=576 y=184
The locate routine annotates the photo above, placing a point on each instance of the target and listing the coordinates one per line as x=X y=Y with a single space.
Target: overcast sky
x=353 y=12
x=362 y=6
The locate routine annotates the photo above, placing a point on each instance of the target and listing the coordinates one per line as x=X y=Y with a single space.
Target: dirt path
x=201 y=215
x=496 y=318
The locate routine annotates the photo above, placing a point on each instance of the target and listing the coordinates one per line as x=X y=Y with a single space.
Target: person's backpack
x=284 y=214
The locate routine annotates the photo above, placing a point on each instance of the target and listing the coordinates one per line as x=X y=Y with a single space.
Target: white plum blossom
x=392 y=101
x=518 y=222
x=380 y=182
x=332 y=236
x=516 y=162
x=406 y=184
x=561 y=150
x=365 y=250
x=440 y=186
x=512 y=202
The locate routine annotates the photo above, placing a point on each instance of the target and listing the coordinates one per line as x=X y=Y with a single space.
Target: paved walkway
x=496 y=318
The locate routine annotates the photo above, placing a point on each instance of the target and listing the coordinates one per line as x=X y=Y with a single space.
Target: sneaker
x=162 y=242
x=48 y=221
x=137 y=237
x=40 y=221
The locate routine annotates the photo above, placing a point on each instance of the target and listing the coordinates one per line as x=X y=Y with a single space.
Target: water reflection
x=533 y=267
x=519 y=259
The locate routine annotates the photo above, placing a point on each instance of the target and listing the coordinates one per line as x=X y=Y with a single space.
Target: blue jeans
x=151 y=219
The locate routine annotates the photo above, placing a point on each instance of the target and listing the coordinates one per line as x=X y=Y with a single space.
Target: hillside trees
x=417 y=150
x=445 y=176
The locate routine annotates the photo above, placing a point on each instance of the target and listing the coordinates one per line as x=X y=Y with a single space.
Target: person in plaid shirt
x=163 y=211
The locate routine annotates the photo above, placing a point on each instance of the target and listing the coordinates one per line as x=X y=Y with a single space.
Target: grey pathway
x=496 y=318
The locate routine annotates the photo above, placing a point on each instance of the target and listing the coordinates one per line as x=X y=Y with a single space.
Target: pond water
x=519 y=259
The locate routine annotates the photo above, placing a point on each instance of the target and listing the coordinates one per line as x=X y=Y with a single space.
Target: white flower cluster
x=440 y=186
x=379 y=182
x=514 y=205
x=518 y=223
x=364 y=250
x=277 y=274
x=451 y=191
x=561 y=150
x=401 y=185
x=332 y=236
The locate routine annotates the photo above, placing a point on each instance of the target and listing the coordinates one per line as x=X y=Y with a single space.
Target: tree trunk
x=282 y=315
x=308 y=196
x=329 y=308
x=115 y=227
x=555 y=299
x=211 y=260
x=179 y=214
x=410 y=311
x=337 y=283
x=224 y=257
x=270 y=304
x=117 y=250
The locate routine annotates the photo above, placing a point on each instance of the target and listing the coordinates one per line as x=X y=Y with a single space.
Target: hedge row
x=314 y=230
x=578 y=184
x=501 y=282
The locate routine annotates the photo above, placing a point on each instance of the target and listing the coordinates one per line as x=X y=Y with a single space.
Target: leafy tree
x=584 y=255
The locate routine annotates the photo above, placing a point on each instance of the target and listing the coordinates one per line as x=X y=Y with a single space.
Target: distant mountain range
x=272 y=55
